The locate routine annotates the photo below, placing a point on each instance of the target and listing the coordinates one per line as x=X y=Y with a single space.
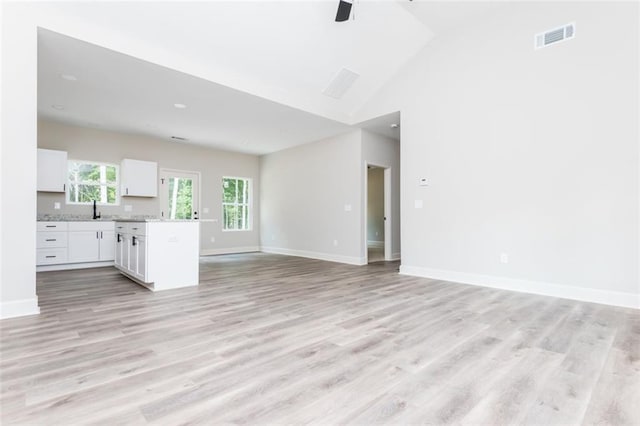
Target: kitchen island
x=158 y=254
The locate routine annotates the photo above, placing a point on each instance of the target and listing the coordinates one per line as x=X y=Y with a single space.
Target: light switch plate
x=417 y=204
x=205 y=210
x=347 y=207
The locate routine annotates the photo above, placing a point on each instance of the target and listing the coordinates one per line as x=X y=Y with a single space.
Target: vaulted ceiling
x=252 y=73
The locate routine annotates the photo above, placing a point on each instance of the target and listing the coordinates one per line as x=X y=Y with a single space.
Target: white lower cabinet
x=74 y=243
x=159 y=255
x=51 y=243
x=84 y=246
x=91 y=241
x=107 y=245
x=131 y=249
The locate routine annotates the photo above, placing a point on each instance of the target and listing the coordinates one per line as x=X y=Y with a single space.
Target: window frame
x=94 y=163
x=248 y=204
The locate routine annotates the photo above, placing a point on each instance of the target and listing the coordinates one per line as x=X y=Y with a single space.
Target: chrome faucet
x=96 y=215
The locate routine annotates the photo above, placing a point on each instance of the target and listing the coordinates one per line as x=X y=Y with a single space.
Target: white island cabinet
x=159 y=255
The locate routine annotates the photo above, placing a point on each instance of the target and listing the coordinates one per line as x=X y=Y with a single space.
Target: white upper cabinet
x=138 y=178
x=52 y=170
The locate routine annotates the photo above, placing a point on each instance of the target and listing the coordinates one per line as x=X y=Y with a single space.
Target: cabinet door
x=141 y=271
x=139 y=178
x=107 y=245
x=84 y=246
x=117 y=256
x=52 y=170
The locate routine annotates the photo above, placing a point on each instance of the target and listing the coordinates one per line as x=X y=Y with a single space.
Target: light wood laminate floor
x=268 y=339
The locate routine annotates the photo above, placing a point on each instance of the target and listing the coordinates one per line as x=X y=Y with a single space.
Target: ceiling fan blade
x=344 y=10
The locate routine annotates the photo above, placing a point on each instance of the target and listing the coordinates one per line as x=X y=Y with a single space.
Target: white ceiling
x=117 y=92
x=256 y=69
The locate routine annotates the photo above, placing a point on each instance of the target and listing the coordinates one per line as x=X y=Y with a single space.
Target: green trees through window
x=235 y=203
x=89 y=181
x=180 y=198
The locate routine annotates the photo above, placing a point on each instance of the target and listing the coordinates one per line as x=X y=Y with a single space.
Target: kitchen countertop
x=81 y=218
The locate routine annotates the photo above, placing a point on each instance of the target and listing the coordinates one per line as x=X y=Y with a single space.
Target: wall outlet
x=347 y=207
x=213 y=239
x=128 y=207
x=335 y=243
x=504 y=258
x=56 y=206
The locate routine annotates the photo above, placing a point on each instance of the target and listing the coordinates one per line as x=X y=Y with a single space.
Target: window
x=88 y=181
x=236 y=204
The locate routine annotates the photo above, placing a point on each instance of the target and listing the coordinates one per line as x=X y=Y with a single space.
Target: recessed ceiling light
x=180 y=106
x=69 y=77
x=57 y=106
x=394 y=126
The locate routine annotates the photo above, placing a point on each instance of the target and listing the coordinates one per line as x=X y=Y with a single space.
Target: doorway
x=378 y=233
x=179 y=194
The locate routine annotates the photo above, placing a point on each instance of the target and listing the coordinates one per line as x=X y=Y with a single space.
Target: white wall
x=111 y=147
x=18 y=163
x=375 y=205
x=383 y=151
x=529 y=153
x=304 y=193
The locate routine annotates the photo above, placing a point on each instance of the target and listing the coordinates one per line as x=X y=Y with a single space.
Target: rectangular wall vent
x=340 y=83
x=563 y=33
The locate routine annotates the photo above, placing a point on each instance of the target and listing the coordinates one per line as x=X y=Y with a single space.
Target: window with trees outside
x=89 y=181
x=236 y=204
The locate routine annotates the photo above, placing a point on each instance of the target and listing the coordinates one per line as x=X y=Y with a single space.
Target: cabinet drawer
x=51 y=226
x=137 y=228
x=51 y=256
x=51 y=239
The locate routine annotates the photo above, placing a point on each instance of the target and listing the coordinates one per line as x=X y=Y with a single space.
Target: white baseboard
x=395 y=256
x=315 y=255
x=19 y=308
x=232 y=250
x=615 y=298
x=68 y=266
x=375 y=244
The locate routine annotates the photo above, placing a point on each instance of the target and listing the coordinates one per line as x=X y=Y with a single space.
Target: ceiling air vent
x=555 y=35
x=342 y=81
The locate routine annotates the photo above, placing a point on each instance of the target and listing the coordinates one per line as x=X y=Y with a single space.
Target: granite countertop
x=89 y=218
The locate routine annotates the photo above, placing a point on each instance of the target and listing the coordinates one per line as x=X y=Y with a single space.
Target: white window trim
x=100 y=163
x=249 y=204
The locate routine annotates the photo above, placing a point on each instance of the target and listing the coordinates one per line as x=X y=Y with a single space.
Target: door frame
x=162 y=171
x=388 y=232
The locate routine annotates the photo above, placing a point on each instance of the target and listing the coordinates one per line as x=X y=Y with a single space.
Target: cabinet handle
x=51 y=226
x=133 y=241
x=100 y=234
x=51 y=239
x=64 y=187
x=118 y=240
x=49 y=257
x=97 y=237
x=127 y=190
